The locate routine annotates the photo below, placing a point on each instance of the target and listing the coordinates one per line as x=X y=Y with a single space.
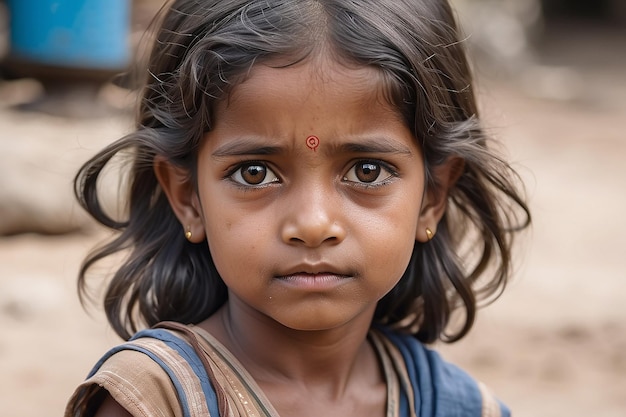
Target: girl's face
x=310 y=190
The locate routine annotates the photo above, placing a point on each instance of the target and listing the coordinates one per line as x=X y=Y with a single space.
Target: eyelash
x=384 y=168
x=242 y=183
x=237 y=171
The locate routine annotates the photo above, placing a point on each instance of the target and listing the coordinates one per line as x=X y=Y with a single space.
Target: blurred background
x=552 y=81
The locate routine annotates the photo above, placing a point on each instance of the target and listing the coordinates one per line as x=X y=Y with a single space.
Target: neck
x=275 y=354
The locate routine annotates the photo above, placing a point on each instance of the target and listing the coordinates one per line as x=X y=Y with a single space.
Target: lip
x=314 y=281
x=314 y=276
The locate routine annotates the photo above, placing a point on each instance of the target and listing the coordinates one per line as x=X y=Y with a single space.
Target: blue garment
x=437 y=388
x=441 y=388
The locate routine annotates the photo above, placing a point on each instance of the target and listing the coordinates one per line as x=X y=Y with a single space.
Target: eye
x=369 y=173
x=253 y=173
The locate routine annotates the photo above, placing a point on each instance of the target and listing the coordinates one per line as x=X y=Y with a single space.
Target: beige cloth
x=135 y=381
x=142 y=387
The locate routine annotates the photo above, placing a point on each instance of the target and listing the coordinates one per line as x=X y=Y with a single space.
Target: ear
x=435 y=201
x=178 y=187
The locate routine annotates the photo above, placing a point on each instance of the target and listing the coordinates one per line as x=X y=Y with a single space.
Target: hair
x=202 y=50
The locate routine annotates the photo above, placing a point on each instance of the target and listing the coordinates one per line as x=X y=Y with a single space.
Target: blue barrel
x=85 y=34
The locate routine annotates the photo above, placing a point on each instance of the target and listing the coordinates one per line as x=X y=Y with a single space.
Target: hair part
x=204 y=49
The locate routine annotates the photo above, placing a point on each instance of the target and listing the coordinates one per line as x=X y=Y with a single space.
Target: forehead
x=317 y=83
x=280 y=107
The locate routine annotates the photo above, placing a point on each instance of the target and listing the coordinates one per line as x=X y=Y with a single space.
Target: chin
x=323 y=320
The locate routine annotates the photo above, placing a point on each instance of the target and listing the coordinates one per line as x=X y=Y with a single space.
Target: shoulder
x=132 y=379
x=442 y=389
x=155 y=373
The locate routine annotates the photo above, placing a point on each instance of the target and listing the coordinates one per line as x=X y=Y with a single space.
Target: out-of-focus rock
x=38 y=162
x=506 y=37
x=30 y=296
x=500 y=33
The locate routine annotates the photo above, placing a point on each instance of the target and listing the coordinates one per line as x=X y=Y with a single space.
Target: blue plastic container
x=86 y=34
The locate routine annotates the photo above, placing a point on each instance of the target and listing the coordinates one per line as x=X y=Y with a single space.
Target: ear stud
x=429 y=234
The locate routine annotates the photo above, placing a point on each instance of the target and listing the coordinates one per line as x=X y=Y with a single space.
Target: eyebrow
x=251 y=147
x=245 y=147
x=377 y=145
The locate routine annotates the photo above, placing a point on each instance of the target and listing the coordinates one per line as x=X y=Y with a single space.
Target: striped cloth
x=183 y=371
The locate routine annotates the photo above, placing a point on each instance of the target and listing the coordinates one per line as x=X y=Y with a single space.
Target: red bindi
x=312 y=142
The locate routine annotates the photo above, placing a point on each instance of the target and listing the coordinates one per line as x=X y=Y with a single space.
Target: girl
x=311 y=196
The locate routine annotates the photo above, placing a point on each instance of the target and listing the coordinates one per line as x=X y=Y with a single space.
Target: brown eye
x=253 y=173
x=367 y=171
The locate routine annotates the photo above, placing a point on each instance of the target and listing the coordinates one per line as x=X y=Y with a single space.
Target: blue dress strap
x=442 y=389
x=182 y=348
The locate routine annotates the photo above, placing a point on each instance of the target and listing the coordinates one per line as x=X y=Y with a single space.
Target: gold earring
x=429 y=234
x=188 y=234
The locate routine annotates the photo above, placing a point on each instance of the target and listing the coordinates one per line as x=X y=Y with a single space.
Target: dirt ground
x=553 y=345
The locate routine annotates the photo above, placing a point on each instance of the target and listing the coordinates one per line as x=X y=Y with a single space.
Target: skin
x=307 y=240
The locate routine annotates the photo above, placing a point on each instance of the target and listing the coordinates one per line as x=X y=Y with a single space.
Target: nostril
x=312 y=228
x=314 y=242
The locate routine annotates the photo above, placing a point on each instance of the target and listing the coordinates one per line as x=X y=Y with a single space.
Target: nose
x=313 y=218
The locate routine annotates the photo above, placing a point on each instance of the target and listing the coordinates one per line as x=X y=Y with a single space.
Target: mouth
x=314 y=281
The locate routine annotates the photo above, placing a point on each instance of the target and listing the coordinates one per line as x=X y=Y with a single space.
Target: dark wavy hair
x=202 y=49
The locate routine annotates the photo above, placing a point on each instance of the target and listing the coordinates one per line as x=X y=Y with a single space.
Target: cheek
x=397 y=253
x=389 y=239
x=235 y=242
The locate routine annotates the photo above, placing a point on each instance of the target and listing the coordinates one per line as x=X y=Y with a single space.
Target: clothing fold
x=183 y=371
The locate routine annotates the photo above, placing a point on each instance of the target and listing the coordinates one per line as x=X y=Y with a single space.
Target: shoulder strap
x=441 y=388
x=189 y=348
x=219 y=396
x=491 y=406
x=185 y=368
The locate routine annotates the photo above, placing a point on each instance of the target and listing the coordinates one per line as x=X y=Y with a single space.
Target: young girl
x=311 y=197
